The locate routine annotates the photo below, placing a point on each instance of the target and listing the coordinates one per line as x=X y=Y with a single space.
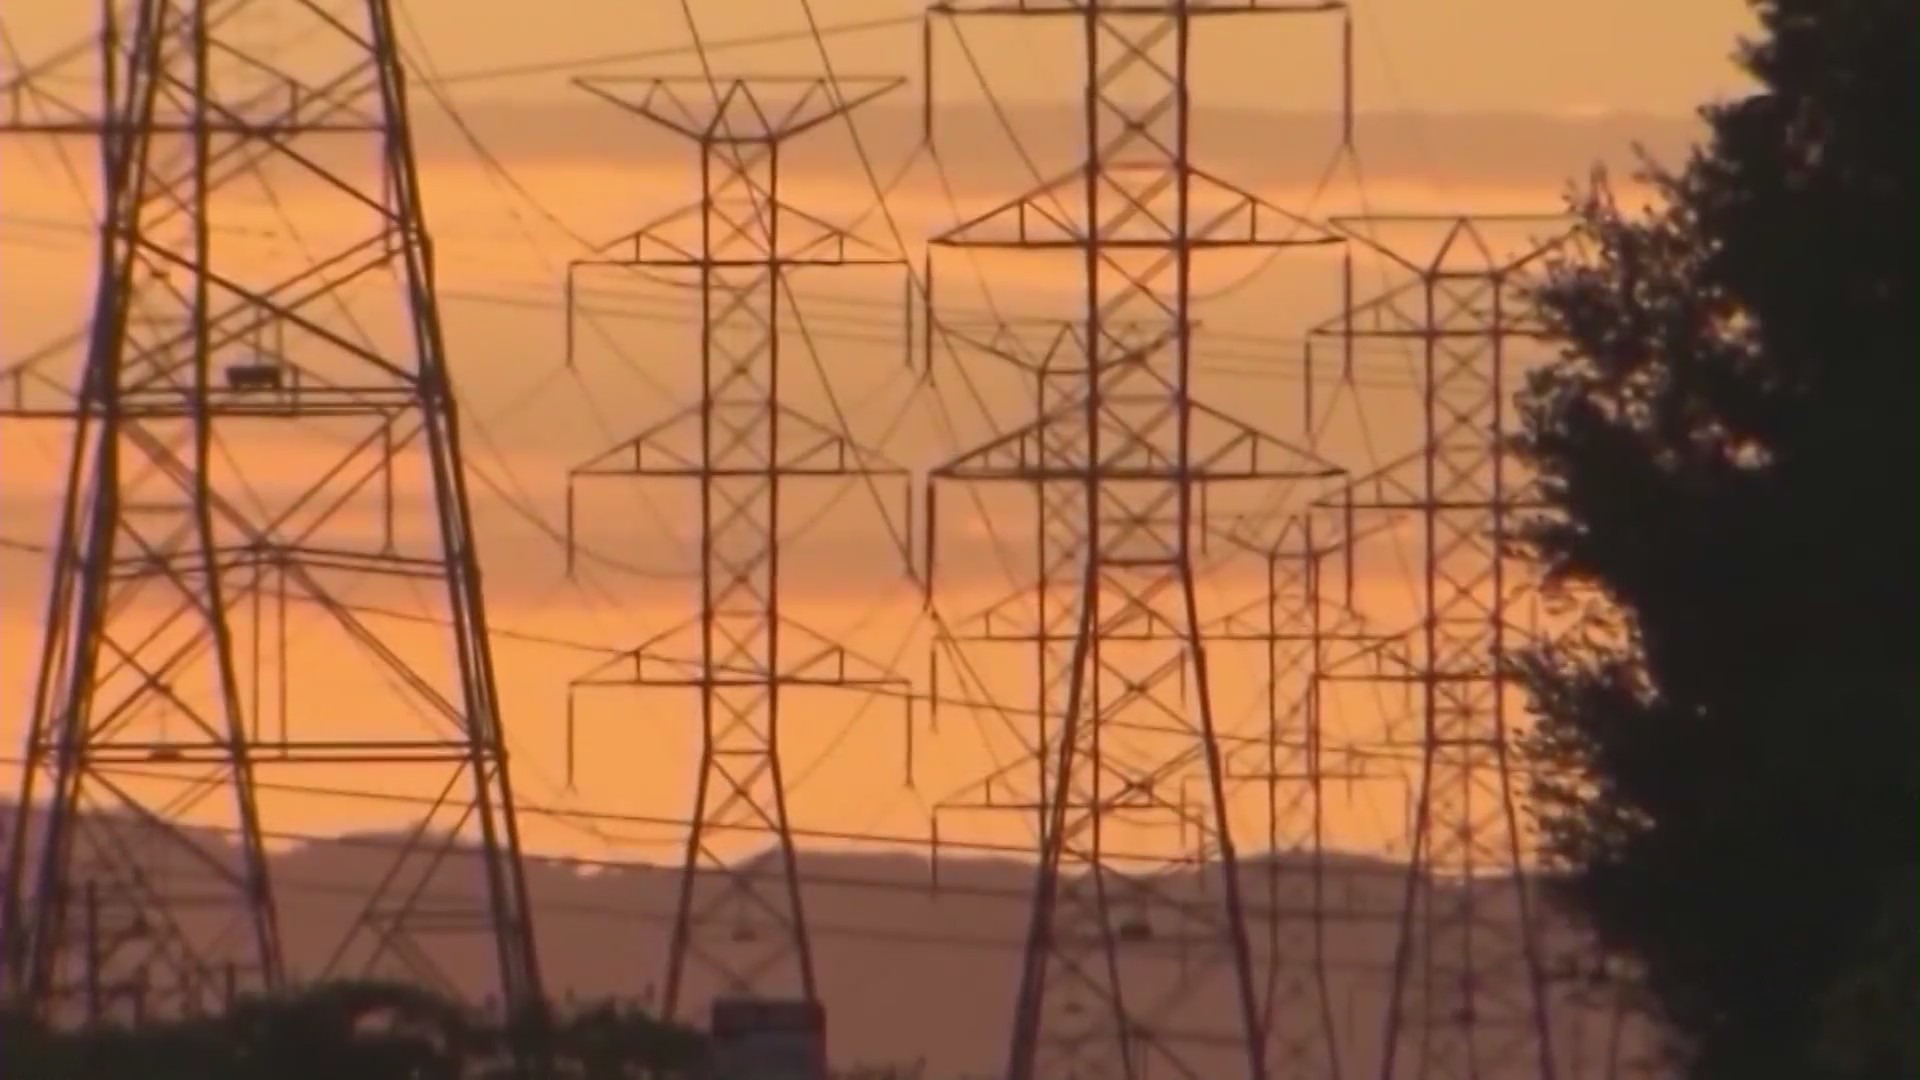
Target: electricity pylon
x=249 y=450
x=1116 y=459
x=1468 y=996
x=1306 y=627
x=741 y=444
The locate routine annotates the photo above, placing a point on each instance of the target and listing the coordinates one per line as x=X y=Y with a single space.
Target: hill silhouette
x=912 y=964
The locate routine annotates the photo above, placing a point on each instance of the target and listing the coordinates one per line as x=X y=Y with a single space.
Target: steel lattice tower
x=1468 y=997
x=1306 y=630
x=742 y=443
x=1116 y=461
x=166 y=647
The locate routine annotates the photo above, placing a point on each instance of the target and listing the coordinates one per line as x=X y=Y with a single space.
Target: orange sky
x=529 y=418
x=1551 y=55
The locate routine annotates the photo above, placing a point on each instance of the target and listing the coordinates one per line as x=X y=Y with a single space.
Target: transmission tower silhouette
x=256 y=436
x=1117 y=459
x=742 y=444
x=1307 y=628
x=1468 y=996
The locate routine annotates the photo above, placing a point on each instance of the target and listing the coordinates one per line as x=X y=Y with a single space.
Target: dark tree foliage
x=358 y=1031
x=1727 y=450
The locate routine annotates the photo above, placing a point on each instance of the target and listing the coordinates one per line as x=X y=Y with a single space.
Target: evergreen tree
x=1727 y=452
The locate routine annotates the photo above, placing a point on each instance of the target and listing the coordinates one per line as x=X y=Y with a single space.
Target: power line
x=716 y=45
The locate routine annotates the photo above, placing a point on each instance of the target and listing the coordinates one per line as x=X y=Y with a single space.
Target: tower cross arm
x=738 y=110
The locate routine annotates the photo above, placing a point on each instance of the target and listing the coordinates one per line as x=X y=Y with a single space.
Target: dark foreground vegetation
x=373 y=1031
x=1728 y=450
x=358 y=1031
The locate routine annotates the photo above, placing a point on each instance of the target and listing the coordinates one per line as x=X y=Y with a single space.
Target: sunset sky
x=1468 y=55
x=1491 y=105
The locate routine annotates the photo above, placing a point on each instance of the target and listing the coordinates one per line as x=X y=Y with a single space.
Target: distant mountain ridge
x=909 y=969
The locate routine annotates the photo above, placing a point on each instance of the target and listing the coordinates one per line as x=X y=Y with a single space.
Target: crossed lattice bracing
x=1306 y=628
x=741 y=443
x=261 y=443
x=1467 y=997
x=1138 y=873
